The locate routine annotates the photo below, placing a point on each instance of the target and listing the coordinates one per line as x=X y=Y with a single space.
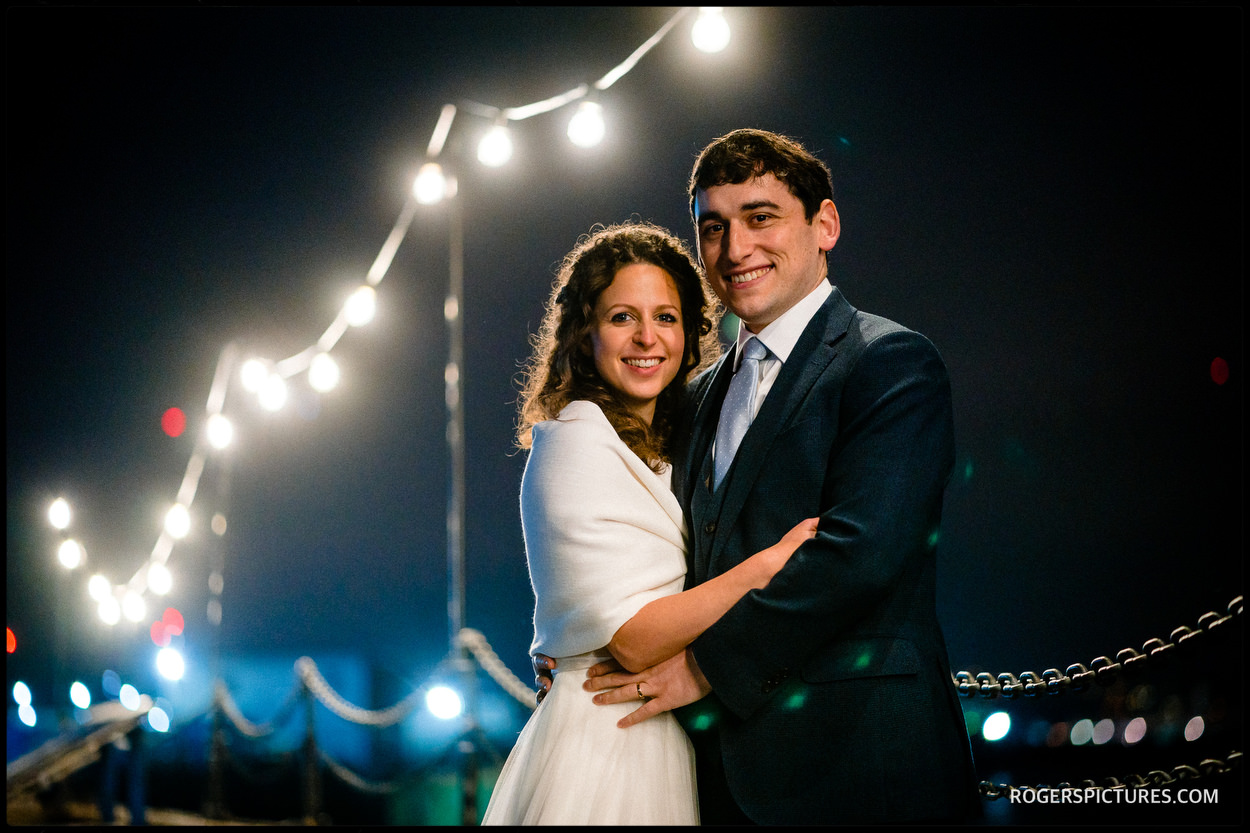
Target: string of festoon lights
x=267 y=380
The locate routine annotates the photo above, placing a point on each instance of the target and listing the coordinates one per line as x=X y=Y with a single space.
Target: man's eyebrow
x=745 y=208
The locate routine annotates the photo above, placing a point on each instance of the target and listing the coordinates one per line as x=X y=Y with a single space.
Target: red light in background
x=1219 y=371
x=173 y=621
x=10 y=640
x=173 y=422
x=169 y=626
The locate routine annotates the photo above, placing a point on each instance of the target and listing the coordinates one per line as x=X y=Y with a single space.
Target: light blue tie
x=736 y=413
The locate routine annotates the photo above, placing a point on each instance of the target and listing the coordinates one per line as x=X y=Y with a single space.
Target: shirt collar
x=781 y=335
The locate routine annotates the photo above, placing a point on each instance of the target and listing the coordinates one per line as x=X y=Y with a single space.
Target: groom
x=825 y=697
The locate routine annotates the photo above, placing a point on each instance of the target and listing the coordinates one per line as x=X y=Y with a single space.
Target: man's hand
x=543 y=666
x=677 y=681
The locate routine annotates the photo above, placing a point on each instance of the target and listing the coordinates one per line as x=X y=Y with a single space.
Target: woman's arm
x=666 y=625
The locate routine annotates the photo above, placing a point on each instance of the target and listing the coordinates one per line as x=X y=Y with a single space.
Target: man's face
x=760 y=253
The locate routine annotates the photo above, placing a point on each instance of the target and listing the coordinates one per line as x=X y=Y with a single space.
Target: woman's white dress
x=603 y=536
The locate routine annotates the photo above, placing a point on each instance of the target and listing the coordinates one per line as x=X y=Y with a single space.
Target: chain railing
x=310 y=685
x=1102 y=670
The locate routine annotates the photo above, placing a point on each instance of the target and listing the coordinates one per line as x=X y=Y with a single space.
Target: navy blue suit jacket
x=832 y=693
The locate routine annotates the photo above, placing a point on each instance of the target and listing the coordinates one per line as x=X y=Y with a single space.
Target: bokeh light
x=495 y=149
x=361 y=306
x=173 y=422
x=220 y=431
x=158 y=719
x=1219 y=371
x=58 y=513
x=710 y=32
x=443 y=702
x=80 y=695
x=586 y=127
x=70 y=554
x=21 y=693
x=996 y=727
x=1135 y=731
x=1194 y=728
x=170 y=664
x=129 y=697
x=1082 y=732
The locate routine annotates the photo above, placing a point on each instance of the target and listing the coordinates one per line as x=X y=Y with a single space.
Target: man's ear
x=828 y=225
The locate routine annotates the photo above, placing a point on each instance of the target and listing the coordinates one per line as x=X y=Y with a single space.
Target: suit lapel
x=815 y=350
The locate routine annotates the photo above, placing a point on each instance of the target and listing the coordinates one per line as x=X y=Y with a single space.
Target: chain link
x=1155 y=778
x=1102 y=670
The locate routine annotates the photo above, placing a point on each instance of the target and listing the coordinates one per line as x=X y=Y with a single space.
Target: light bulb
x=361 y=306
x=495 y=148
x=58 y=513
x=586 y=127
x=711 y=31
x=430 y=186
x=323 y=373
x=220 y=431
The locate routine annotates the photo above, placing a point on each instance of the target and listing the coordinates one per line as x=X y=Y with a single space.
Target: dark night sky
x=1054 y=196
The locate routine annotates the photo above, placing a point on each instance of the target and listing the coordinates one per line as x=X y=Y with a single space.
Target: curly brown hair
x=560 y=370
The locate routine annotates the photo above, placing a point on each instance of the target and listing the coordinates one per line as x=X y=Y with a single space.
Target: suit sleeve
x=882 y=451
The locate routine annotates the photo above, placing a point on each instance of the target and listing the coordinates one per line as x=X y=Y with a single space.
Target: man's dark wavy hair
x=748 y=153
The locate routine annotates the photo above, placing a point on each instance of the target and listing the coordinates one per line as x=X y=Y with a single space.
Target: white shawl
x=604 y=534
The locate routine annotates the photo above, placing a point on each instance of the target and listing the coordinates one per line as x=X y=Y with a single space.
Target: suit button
x=709 y=528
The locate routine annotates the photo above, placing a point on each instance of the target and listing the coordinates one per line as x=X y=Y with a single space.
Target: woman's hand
x=543 y=666
x=776 y=556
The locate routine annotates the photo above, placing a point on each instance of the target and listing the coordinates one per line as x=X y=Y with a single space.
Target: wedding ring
x=644 y=698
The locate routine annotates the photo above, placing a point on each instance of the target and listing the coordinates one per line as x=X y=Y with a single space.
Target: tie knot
x=754 y=350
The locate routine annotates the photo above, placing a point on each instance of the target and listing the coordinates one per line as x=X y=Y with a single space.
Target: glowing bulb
x=160 y=580
x=178 y=521
x=133 y=606
x=170 y=664
x=272 y=393
x=323 y=373
x=58 y=513
x=109 y=610
x=361 y=306
x=586 y=127
x=253 y=374
x=220 y=431
x=70 y=554
x=711 y=30
x=98 y=587
x=443 y=702
x=80 y=695
x=495 y=148
x=430 y=186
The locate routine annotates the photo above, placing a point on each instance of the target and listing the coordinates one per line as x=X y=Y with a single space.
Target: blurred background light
x=70 y=554
x=361 y=306
x=220 y=431
x=323 y=373
x=129 y=696
x=58 y=513
x=495 y=149
x=996 y=726
x=80 y=695
x=170 y=664
x=430 y=186
x=710 y=32
x=178 y=521
x=586 y=127
x=443 y=702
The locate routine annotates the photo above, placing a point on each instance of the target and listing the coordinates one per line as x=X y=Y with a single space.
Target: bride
x=627 y=324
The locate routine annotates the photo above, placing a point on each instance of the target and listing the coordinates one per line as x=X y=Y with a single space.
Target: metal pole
x=452 y=375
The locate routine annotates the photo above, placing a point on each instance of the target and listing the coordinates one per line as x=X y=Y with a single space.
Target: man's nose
x=736 y=244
